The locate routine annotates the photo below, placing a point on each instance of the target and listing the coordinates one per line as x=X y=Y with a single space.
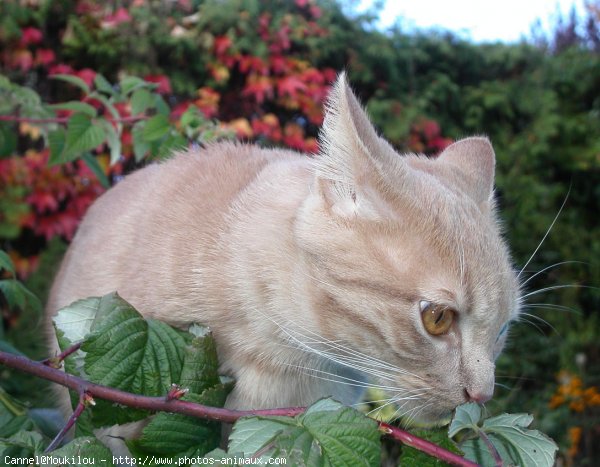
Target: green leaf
x=250 y=434
x=56 y=141
x=6 y=263
x=102 y=84
x=508 y=433
x=156 y=127
x=326 y=434
x=171 y=434
x=113 y=139
x=76 y=106
x=106 y=103
x=82 y=135
x=22 y=444
x=171 y=144
x=17 y=295
x=131 y=83
x=141 y=100
x=412 y=457
x=140 y=145
x=466 y=417
x=88 y=448
x=8 y=140
x=74 y=80
x=95 y=167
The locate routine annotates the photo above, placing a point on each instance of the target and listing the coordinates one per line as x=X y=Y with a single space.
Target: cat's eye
x=437 y=319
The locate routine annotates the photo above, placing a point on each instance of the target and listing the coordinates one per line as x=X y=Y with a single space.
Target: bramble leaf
x=82 y=135
x=515 y=443
x=76 y=106
x=74 y=80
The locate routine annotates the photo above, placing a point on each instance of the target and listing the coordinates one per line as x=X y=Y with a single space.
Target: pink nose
x=477 y=396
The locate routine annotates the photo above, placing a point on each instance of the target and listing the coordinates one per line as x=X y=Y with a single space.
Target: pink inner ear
x=474 y=158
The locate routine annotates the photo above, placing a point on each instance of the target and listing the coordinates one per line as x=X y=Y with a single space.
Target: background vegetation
x=259 y=71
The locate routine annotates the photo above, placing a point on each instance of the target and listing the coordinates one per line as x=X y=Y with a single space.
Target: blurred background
x=527 y=75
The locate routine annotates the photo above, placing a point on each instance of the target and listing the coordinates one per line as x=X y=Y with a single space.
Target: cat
x=318 y=276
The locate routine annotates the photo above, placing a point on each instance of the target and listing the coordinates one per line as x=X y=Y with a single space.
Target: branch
x=425 y=446
x=201 y=411
x=56 y=362
x=83 y=401
x=63 y=120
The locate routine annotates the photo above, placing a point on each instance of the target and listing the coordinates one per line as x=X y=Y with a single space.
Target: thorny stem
x=70 y=422
x=55 y=362
x=423 y=445
x=16 y=118
x=197 y=410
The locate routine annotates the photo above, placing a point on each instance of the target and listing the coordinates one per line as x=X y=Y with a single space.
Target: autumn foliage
x=259 y=71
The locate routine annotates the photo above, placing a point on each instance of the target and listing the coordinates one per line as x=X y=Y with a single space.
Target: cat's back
x=154 y=221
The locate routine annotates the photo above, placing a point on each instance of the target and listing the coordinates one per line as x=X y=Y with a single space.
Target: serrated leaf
x=345 y=436
x=102 y=84
x=22 y=444
x=508 y=433
x=113 y=139
x=96 y=168
x=140 y=145
x=75 y=80
x=17 y=295
x=467 y=416
x=6 y=263
x=131 y=83
x=170 y=434
x=412 y=457
x=326 y=434
x=529 y=448
x=56 y=141
x=88 y=448
x=8 y=141
x=72 y=323
x=106 y=103
x=76 y=106
x=82 y=135
x=141 y=100
x=170 y=145
x=250 y=434
x=156 y=127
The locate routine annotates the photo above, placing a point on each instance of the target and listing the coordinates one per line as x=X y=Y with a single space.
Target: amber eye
x=437 y=319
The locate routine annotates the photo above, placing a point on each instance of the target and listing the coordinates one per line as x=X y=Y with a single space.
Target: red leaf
x=164 y=84
x=258 y=87
x=87 y=75
x=30 y=36
x=119 y=17
x=44 y=57
x=60 y=69
x=221 y=45
x=290 y=85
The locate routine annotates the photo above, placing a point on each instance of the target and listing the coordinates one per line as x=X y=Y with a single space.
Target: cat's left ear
x=354 y=159
x=475 y=161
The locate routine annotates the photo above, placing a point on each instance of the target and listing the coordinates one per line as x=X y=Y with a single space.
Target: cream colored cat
x=318 y=276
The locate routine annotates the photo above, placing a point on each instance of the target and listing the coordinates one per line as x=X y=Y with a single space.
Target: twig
x=56 y=361
x=17 y=119
x=425 y=446
x=70 y=422
x=202 y=411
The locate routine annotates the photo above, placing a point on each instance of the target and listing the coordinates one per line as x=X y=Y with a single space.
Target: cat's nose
x=473 y=395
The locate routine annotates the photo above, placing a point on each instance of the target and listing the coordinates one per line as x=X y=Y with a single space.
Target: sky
x=481 y=21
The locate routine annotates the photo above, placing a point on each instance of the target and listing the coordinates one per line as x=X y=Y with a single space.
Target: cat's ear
x=350 y=161
x=474 y=159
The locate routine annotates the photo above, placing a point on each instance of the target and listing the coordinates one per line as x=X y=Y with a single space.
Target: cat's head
x=408 y=262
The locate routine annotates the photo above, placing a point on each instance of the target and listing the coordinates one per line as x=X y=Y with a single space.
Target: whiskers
x=334 y=362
